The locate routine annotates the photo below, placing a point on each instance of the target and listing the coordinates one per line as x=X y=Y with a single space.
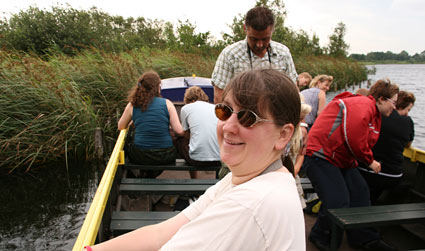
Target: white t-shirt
x=199 y=117
x=261 y=214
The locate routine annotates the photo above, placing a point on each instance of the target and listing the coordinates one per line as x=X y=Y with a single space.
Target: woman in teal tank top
x=152 y=117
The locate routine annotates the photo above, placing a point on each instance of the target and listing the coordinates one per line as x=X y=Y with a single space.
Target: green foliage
x=337 y=46
x=344 y=71
x=44 y=116
x=70 y=30
x=390 y=57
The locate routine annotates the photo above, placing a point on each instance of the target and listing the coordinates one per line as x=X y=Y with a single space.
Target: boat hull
x=174 y=88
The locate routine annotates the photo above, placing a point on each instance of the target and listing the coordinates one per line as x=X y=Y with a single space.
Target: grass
x=50 y=106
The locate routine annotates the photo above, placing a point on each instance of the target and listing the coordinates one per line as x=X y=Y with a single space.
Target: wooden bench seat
x=165 y=185
x=126 y=221
x=374 y=216
x=170 y=189
x=169 y=181
x=180 y=165
x=305 y=182
x=306 y=185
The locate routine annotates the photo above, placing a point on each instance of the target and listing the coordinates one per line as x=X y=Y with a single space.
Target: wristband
x=87 y=248
x=302 y=124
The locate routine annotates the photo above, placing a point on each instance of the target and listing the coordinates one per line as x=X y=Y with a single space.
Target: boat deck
x=396 y=235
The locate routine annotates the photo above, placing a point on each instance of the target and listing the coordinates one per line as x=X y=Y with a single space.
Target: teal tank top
x=152 y=126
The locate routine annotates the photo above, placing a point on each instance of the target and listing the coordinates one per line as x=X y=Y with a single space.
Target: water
x=409 y=77
x=46 y=212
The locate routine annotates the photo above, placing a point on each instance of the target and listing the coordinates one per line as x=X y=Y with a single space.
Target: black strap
x=250 y=56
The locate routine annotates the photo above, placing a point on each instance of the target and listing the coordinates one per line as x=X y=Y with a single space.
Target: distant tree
x=188 y=39
x=337 y=46
x=237 y=31
x=383 y=57
x=403 y=55
x=69 y=30
x=358 y=57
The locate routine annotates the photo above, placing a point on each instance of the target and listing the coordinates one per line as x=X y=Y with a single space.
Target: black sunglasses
x=246 y=118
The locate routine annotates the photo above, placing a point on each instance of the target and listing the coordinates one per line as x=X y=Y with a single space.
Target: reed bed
x=43 y=117
x=50 y=106
x=345 y=72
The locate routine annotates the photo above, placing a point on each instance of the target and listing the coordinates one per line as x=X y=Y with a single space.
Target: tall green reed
x=50 y=106
x=40 y=113
x=344 y=71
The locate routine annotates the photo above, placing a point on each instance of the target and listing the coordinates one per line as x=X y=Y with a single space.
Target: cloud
x=409 y=8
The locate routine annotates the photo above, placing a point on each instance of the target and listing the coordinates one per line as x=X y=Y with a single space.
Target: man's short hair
x=259 y=18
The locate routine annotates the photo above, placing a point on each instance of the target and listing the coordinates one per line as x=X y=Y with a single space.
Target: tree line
x=402 y=57
x=68 y=30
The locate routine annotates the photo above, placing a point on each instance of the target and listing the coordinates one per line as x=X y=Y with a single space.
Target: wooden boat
x=97 y=224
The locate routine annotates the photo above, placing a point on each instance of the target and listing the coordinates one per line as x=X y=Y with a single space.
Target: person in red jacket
x=341 y=136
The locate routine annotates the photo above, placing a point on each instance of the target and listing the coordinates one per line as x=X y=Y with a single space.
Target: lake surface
x=409 y=77
x=46 y=212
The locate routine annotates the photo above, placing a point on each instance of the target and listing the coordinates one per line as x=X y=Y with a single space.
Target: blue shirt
x=152 y=126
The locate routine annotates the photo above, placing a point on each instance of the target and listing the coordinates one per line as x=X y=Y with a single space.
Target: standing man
x=256 y=51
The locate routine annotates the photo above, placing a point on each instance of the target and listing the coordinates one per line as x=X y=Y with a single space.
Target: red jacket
x=345 y=131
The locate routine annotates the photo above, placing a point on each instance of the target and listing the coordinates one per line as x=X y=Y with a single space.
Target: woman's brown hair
x=148 y=86
x=405 y=99
x=383 y=88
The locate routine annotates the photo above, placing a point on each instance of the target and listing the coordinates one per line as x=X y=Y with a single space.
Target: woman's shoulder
x=165 y=101
x=310 y=90
x=266 y=188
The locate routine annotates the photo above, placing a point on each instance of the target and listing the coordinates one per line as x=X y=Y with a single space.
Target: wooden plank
x=123 y=222
x=176 y=189
x=179 y=165
x=306 y=185
x=305 y=181
x=376 y=209
x=142 y=215
x=119 y=227
x=373 y=216
x=169 y=181
x=393 y=218
x=378 y=215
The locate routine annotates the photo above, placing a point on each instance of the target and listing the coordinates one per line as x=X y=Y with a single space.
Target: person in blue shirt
x=152 y=117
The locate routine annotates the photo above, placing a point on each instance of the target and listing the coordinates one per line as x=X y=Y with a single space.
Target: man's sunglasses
x=246 y=118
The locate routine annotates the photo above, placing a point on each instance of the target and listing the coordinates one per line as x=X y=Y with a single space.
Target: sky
x=371 y=25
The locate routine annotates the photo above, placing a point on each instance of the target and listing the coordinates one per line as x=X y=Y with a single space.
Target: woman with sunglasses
x=342 y=135
x=256 y=206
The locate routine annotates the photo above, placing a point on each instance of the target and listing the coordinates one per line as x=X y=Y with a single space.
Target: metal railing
x=90 y=228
